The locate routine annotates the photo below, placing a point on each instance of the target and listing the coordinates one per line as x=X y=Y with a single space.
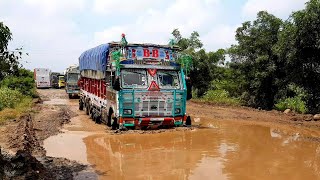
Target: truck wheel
x=115 y=124
x=188 y=121
x=91 y=114
x=87 y=108
x=70 y=96
x=80 y=105
x=98 y=119
x=109 y=117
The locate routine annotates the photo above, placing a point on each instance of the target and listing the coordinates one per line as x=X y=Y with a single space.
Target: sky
x=55 y=32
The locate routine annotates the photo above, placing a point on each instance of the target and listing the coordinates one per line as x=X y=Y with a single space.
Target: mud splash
x=224 y=151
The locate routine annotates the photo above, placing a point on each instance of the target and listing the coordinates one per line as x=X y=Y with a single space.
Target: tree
x=255 y=59
x=204 y=64
x=9 y=60
x=299 y=48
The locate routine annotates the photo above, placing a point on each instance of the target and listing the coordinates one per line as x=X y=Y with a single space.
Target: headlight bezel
x=177 y=111
x=127 y=111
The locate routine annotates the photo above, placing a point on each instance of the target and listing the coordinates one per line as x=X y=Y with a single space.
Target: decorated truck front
x=133 y=86
x=72 y=75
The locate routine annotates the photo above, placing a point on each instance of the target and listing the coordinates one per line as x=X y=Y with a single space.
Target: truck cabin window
x=73 y=77
x=168 y=79
x=134 y=78
x=61 y=78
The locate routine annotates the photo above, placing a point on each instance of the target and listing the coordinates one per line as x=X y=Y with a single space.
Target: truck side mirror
x=189 y=88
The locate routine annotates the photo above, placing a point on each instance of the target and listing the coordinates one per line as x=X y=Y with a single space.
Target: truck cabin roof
x=118 y=44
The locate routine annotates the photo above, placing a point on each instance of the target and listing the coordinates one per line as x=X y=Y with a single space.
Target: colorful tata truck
x=72 y=75
x=133 y=86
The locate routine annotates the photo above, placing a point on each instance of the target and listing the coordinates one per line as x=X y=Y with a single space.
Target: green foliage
x=24 y=83
x=299 y=49
x=254 y=59
x=220 y=97
x=9 y=60
x=294 y=103
x=274 y=63
x=23 y=106
x=9 y=98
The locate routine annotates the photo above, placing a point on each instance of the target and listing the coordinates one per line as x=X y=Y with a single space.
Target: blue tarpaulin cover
x=95 y=58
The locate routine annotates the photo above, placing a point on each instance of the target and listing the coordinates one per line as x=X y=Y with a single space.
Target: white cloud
x=155 y=25
x=124 y=6
x=46 y=31
x=281 y=8
x=56 y=7
x=222 y=36
x=49 y=30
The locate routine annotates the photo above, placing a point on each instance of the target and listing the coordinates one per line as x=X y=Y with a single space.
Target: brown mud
x=223 y=143
x=23 y=155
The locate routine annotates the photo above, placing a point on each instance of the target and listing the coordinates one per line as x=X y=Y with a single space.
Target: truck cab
x=72 y=75
x=61 y=81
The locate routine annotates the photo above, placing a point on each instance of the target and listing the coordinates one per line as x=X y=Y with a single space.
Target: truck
x=72 y=75
x=42 y=77
x=54 y=79
x=143 y=88
x=61 y=81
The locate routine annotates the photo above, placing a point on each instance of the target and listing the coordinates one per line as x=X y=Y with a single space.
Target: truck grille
x=145 y=106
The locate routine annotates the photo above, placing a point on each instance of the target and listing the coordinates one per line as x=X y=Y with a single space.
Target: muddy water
x=224 y=151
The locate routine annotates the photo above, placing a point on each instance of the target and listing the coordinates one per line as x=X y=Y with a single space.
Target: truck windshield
x=168 y=79
x=73 y=77
x=134 y=78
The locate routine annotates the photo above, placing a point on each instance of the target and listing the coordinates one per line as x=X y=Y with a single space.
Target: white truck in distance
x=42 y=77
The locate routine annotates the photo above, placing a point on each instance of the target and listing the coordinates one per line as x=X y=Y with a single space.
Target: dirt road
x=225 y=143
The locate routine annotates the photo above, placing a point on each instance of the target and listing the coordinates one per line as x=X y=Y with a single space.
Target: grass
x=22 y=107
x=295 y=103
x=219 y=97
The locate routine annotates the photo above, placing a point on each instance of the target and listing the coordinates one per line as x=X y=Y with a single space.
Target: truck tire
x=115 y=124
x=188 y=121
x=109 y=117
x=80 y=105
x=87 y=108
x=91 y=114
x=98 y=119
x=70 y=96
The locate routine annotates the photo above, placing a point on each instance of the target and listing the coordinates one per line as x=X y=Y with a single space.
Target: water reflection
x=231 y=151
x=237 y=152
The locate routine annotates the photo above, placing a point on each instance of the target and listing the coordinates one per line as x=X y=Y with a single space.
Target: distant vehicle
x=42 y=77
x=61 y=81
x=72 y=75
x=54 y=79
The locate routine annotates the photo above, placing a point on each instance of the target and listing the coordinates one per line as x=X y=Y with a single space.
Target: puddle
x=228 y=151
x=57 y=102
x=67 y=145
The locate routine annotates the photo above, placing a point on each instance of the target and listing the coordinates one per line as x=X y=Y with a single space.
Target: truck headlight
x=127 y=111
x=177 y=111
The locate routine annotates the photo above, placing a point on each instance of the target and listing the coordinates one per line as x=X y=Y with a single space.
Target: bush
x=22 y=107
x=294 y=103
x=9 y=98
x=220 y=97
x=24 y=83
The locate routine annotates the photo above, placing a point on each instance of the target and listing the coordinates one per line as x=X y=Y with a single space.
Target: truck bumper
x=73 y=93
x=151 y=121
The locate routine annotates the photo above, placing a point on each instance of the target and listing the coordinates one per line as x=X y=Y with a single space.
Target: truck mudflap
x=152 y=121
